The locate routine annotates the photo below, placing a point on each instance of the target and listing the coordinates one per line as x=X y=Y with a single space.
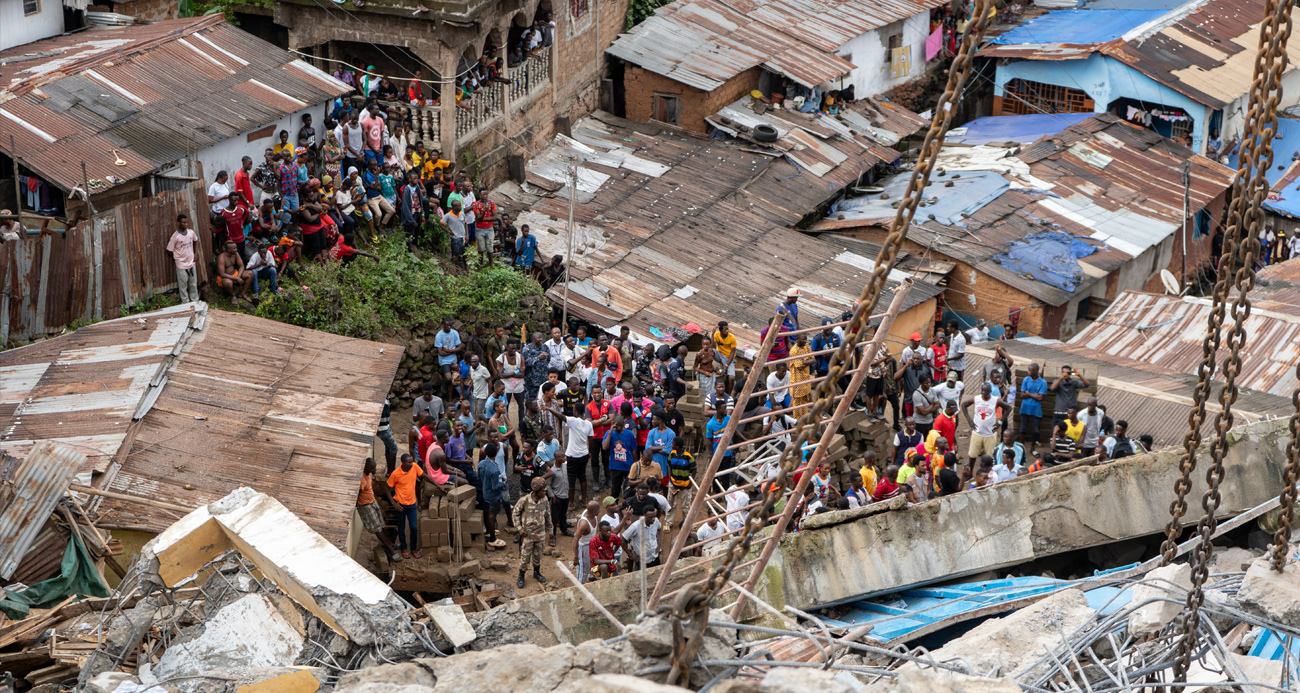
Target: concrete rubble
x=232 y=599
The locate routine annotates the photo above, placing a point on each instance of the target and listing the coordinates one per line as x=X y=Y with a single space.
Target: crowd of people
x=324 y=196
x=592 y=424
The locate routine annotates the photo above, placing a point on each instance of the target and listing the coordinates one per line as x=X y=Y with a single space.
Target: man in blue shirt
x=659 y=440
x=620 y=445
x=713 y=432
x=447 y=342
x=1032 y=389
x=826 y=340
x=525 y=249
x=491 y=472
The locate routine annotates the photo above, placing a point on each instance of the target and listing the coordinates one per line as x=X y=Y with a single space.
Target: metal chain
x=1229 y=261
x=1261 y=126
x=1282 y=536
x=695 y=598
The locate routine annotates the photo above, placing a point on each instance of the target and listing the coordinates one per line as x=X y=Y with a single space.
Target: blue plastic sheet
x=1051 y=257
x=1078 y=26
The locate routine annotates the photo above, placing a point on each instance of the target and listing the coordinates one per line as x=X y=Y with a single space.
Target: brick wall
x=641 y=85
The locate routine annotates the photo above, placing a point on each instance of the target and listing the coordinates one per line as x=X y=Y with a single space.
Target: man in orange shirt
x=612 y=357
x=405 y=495
x=368 y=509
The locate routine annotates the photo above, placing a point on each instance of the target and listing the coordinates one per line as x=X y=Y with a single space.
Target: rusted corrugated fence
x=116 y=259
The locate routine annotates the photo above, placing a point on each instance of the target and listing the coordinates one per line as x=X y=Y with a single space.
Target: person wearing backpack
x=681 y=467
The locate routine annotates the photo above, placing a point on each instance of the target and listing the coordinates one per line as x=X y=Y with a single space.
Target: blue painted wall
x=1104 y=79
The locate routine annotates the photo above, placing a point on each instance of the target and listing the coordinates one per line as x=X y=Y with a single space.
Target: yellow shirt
x=724 y=345
x=869 y=480
x=1074 y=431
x=427 y=164
x=905 y=472
x=287 y=147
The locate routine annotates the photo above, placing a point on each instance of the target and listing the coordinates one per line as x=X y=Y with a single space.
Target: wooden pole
x=18 y=188
x=162 y=505
x=869 y=355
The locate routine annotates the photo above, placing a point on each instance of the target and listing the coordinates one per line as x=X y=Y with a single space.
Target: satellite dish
x=1170 y=282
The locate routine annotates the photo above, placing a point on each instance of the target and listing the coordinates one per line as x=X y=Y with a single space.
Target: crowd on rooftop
x=593 y=424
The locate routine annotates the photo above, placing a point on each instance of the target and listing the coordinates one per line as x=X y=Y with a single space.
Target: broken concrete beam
x=1170 y=585
x=451 y=622
x=942 y=681
x=315 y=574
x=251 y=632
x=1009 y=645
x=1217 y=680
x=619 y=683
x=1270 y=594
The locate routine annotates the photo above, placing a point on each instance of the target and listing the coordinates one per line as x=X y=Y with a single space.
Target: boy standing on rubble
x=533 y=518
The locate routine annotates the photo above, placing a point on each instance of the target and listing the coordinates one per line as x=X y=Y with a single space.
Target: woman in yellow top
x=800 y=372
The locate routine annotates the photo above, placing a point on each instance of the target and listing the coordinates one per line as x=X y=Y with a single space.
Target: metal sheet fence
x=115 y=259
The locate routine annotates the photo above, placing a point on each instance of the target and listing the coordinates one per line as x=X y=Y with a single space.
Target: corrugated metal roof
x=703 y=43
x=1277 y=288
x=145 y=94
x=1205 y=51
x=1167 y=331
x=30 y=497
x=236 y=400
x=707 y=240
x=1101 y=179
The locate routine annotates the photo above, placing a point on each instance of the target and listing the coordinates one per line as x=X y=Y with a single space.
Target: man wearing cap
x=915 y=347
x=792 y=306
x=979 y=333
x=950 y=391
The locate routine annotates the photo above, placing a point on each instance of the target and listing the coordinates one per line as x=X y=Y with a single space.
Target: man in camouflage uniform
x=532 y=516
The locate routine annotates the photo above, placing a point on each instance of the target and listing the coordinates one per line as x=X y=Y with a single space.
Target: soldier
x=532 y=516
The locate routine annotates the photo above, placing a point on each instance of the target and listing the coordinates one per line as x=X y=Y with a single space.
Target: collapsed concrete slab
x=315 y=574
x=253 y=632
x=1011 y=523
x=1276 y=596
x=1168 y=584
x=1010 y=645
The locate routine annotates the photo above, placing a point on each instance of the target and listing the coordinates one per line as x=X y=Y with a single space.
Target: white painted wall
x=868 y=52
x=17 y=28
x=226 y=154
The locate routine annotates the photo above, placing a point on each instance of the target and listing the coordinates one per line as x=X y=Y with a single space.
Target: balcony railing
x=425 y=122
x=530 y=76
x=484 y=105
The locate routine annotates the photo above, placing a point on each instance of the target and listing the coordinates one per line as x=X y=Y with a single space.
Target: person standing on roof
x=792 y=307
x=181 y=246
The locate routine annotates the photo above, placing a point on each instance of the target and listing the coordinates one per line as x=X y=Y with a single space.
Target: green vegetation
x=398 y=292
x=640 y=10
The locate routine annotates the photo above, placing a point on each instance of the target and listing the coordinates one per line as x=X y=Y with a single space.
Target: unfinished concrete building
x=558 y=83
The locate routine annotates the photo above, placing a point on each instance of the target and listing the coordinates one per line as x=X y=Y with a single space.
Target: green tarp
x=78 y=577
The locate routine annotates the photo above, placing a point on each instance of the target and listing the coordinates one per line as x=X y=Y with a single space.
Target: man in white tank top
x=982 y=420
x=582 y=534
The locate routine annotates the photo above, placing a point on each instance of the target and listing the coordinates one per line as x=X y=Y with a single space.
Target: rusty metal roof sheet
x=1167 y=331
x=1101 y=179
x=293 y=416
x=30 y=497
x=145 y=94
x=706 y=239
x=703 y=43
x=1277 y=288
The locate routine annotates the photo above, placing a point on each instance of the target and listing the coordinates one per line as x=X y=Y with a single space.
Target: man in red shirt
x=243 y=182
x=233 y=218
x=343 y=252
x=485 y=218
x=603 y=546
x=946 y=423
x=599 y=411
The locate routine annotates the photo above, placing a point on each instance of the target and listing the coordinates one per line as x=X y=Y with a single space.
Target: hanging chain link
x=1282 y=536
x=1229 y=261
x=693 y=601
x=1261 y=126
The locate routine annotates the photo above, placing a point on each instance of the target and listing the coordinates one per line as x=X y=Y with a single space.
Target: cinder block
x=461 y=493
x=470 y=568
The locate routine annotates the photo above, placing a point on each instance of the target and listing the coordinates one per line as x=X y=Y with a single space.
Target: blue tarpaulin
x=1078 y=26
x=1051 y=257
x=1017 y=128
